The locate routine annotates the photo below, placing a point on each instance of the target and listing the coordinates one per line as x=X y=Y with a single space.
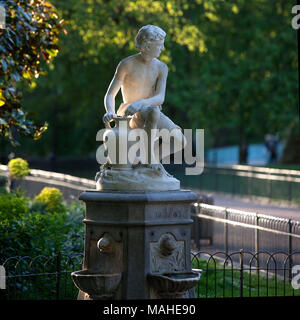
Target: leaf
x=2 y=102
x=47 y=4
x=45 y=56
x=27 y=15
x=29 y=26
x=38 y=133
x=52 y=52
x=3 y=122
x=15 y=76
x=3 y=49
x=4 y=64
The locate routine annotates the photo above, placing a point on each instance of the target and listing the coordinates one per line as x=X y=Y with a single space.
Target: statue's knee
x=179 y=137
x=154 y=113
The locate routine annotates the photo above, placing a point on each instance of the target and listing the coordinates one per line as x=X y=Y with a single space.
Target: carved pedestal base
x=140 y=235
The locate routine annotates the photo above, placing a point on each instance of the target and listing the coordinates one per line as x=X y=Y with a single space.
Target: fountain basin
x=174 y=285
x=96 y=285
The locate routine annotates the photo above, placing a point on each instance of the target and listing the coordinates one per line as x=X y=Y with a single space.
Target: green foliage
x=31 y=33
x=232 y=68
x=18 y=168
x=25 y=231
x=13 y=206
x=51 y=199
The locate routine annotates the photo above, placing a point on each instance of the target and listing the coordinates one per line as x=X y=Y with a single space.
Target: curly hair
x=147 y=34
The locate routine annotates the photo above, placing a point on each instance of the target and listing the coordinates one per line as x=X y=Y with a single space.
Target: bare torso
x=140 y=79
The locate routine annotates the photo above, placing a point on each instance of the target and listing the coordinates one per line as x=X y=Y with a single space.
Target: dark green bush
x=27 y=230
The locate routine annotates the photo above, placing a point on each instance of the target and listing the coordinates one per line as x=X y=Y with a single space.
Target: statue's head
x=150 y=39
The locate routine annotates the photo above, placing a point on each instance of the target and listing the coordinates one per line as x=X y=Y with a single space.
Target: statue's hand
x=108 y=116
x=134 y=107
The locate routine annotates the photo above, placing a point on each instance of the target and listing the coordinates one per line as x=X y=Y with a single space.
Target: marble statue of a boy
x=142 y=79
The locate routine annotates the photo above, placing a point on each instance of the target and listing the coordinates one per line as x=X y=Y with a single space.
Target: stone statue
x=142 y=79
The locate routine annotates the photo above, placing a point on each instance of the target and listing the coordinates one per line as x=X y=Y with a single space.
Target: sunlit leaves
x=38 y=133
x=232 y=64
x=31 y=34
x=192 y=37
x=235 y=9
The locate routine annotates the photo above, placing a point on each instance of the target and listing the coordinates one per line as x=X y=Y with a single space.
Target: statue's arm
x=160 y=92
x=112 y=91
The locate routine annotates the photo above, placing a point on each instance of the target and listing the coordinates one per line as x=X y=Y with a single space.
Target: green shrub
x=26 y=231
x=50 y=199
x=18 y=168
x=13 y=206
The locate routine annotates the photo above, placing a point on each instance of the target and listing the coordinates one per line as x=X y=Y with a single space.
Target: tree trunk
x=291 y=151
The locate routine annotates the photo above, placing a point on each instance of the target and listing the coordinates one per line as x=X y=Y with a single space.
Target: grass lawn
x=218 y=282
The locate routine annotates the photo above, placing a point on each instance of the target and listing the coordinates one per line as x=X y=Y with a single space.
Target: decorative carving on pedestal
x=167 y=254
x=169 y=278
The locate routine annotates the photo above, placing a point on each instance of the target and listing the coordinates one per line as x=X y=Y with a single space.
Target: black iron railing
x=41 y=277
x=238 y=274
x=229 y=229
x=245 y=274
x=250 y=181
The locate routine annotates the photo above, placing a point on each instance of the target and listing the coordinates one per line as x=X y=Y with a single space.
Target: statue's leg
x=147 y=119
x=151 y=115
x=166 y=147
x=152 y=118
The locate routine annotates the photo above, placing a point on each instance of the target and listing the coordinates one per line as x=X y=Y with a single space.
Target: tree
x=232 y=69
x=248 y=82
x=31 y=33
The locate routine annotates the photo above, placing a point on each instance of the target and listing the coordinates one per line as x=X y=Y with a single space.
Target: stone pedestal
x=137 y=245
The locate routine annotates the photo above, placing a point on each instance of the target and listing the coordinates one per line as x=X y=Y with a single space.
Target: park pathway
x=254 y=205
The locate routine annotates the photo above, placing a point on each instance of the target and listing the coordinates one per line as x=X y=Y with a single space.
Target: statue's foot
x=138 y=165
x=159 y=167
x=154 y=166
x=103 y=167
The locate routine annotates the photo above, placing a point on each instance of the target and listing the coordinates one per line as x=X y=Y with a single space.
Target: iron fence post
x=251 y=184
x=290 y=249
x=226 y=233
x=256 y=235
x=270 y=189
x=290 y=188
x=241 y=272
x=58 y=275
x=197 y=233
x=196 y=225
x=248 y=184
